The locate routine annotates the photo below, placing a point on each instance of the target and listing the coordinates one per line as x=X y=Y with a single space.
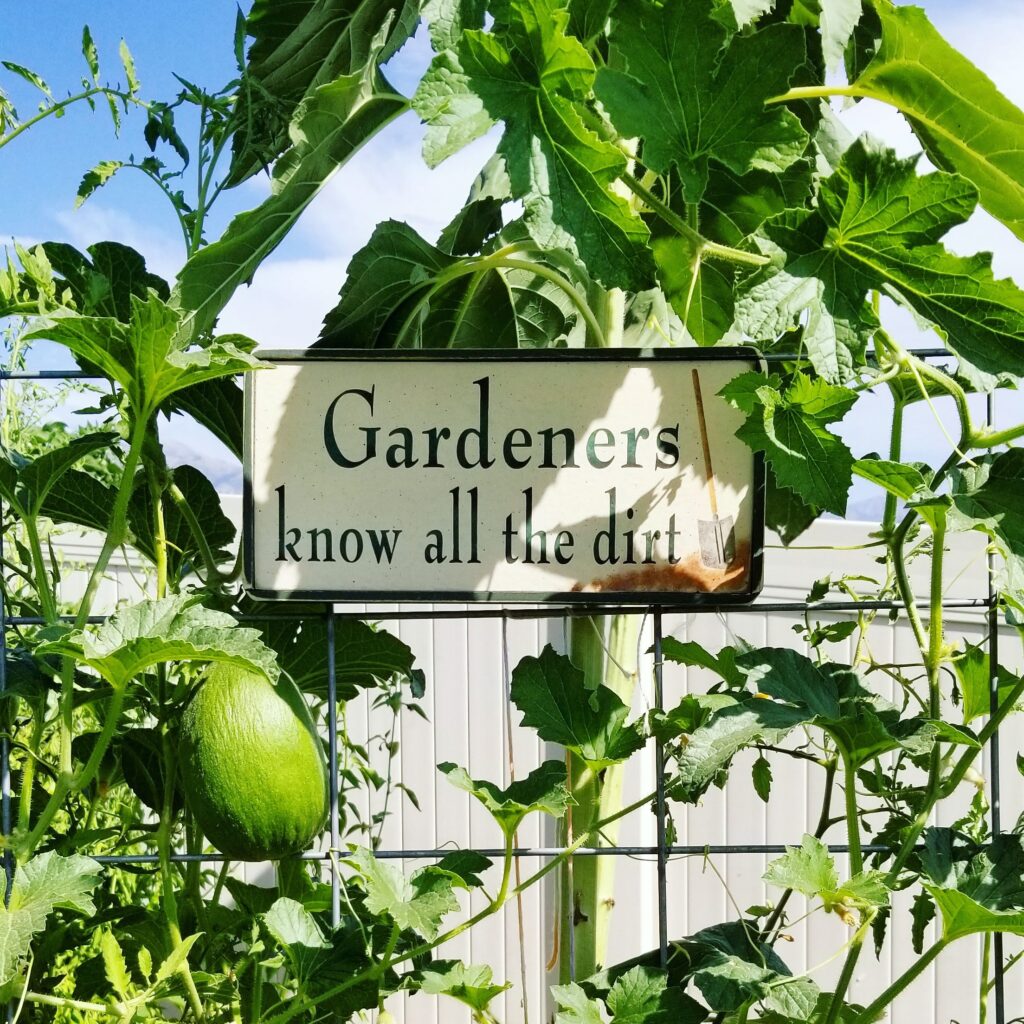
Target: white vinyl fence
x=465 y=666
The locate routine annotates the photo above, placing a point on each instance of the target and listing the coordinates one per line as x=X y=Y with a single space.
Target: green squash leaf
x=528 y=73
x=877 y=226
x=363 y=655
x=470 y=984
x=419 y=902
x=704 y=758
x=26 y=483
x=808 y=869
x=976 y=888
x=791 y=427
x=154 y=631
x=544 y=789
x=102 y=281
x=553 y=697
x=961 y=118
x=44 y=883
x=790 y=676
x=576 y=1007
x=693 y=96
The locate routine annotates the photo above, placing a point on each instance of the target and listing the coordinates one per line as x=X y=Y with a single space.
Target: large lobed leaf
x=155 y=631
x=544 y=789
x=789 y=423
x=693 y=95
x=877 y=226
x=963 y=121
x=530 y=74
x=977 y=888
x=41 y=885
x=419 y=902
x=553 y=697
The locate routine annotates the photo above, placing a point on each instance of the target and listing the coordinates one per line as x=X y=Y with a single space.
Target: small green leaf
x=923 y=913
x=973 y=673
x=642 y=995
x=114 y=965
x=895 y=477
x=42 y=884
x=976 y=888
x=29 y=76
x=468 y=983
x=575 y=1006
x=128 y=63
x=790 y=676
x=553 y=697
x=761 y=773
x=145 y=959
x=50 y=880
x=467 y=866
x=96 y=178
x=544 y=789
x=419 y=902
x=702 y=760
x=791 y=427
x=691 y=653
x=90 y=54
x=177 y=959
x=809 y=870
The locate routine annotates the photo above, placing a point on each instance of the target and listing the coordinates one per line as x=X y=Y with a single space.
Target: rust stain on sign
x=688 y=576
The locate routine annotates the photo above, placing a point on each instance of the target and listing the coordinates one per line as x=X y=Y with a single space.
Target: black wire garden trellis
x=662 y=850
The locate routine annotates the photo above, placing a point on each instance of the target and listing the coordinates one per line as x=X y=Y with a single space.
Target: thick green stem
x=895 y=452
x=588 y=902
x=985 y=438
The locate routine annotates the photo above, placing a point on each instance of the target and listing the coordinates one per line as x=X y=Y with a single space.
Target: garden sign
x=562 y=476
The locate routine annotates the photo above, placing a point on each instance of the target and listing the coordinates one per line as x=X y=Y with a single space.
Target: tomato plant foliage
x=664 y=174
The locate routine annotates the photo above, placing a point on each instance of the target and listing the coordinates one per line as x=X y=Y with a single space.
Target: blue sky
x=40 y=172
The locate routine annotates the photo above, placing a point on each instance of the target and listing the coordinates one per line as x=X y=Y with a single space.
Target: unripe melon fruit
x=252 y=765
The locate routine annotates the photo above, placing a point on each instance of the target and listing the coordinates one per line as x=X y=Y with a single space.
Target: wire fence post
x=332 y=759
x=660 y=809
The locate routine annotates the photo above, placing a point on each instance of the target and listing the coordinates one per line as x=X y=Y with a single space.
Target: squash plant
x=667 y=174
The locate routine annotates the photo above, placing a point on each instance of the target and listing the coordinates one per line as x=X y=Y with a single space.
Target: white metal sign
x=568 y=476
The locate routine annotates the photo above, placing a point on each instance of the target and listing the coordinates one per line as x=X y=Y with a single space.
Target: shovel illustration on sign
x=717 y=536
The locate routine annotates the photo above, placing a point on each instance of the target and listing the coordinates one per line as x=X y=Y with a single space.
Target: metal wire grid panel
x=662 y=850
